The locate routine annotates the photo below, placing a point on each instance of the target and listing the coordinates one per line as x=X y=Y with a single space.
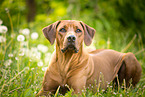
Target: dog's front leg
x=49 y=84
x=78 y=83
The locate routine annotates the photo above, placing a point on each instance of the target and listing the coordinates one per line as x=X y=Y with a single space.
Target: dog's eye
x=62 y=30
x=78 y=31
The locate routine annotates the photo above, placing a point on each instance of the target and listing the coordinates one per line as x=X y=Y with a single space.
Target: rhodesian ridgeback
x=72 y=65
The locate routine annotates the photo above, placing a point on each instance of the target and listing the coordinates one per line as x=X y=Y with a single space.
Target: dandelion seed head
x=3 y=29
x=20 y=38
x=38 y=55
x=24 y=51
x=40 y=63
x=34 y=35
x=26 y=31
x=42 y=48
x=44 y=68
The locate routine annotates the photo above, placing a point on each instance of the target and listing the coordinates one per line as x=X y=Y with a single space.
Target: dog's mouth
x=70 y=48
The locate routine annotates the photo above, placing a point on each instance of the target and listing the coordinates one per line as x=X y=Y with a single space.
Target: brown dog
x=71 y=64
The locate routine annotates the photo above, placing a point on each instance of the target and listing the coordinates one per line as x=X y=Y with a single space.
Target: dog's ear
x=89 y=33
x=50 y=31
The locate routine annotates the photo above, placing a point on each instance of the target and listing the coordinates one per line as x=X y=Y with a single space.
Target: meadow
x=25 y=57
x=25 y=54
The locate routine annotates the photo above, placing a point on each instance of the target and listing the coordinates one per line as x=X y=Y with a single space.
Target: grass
x=23 y=63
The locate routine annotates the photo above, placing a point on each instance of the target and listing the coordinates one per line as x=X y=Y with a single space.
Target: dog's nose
x=71 y=38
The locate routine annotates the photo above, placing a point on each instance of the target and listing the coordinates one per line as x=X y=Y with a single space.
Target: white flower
x=103 y=90
x=114 y=93
x=16 y=58
x=10 y=55
x=44 y=68
x=32 y=68
x=35 y=92
x=34 y=35
x=2 y=39
x=24 y=51
x=40 y=63
x=21 y=54
x=26 y=31
x=111 y=86
x=20 y=38
x=1 y=21
x=3 y=29
x=34 y=54
x=34 y=50
x=42 y=48
x=38 y=55
x=8 y=62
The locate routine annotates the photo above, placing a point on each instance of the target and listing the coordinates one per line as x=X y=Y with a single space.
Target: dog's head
x=69 y=34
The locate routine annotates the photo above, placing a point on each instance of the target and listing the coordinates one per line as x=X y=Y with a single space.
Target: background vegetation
x=25 y=53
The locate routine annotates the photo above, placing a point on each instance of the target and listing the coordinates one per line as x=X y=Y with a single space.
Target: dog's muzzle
x=71 y=44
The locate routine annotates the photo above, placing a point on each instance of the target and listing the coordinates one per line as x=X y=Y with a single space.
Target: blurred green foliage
x=104 y=15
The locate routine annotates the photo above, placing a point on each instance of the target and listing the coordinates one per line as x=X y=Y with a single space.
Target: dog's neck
x=69 y=60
